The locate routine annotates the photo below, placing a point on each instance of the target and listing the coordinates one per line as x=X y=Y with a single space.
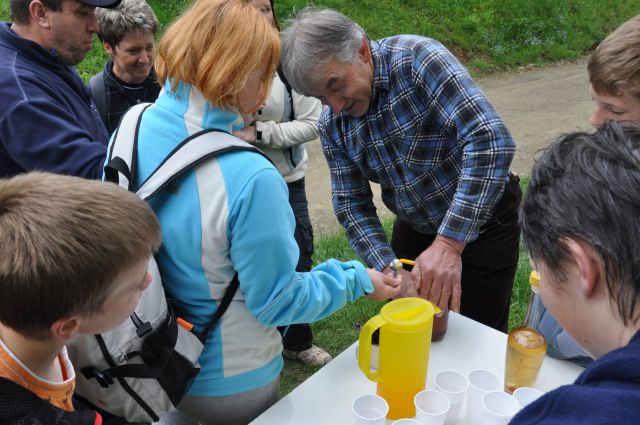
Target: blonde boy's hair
x=214 y=46
x=63 y=242
x=614 y=67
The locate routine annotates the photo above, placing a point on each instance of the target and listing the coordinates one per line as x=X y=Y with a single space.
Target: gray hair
x=313 y=39
x=130 y=15
x=585 y=187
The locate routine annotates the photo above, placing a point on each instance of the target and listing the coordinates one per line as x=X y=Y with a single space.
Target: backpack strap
x=292 y=115
x=122 y=156
x=99 y=95
x=188 y=154
x=222 y=307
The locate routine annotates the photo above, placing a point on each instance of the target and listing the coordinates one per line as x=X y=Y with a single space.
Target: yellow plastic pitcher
x=405 y=339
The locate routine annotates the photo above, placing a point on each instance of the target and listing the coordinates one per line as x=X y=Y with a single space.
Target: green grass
x=338 y=331
x=486 y=35
x=489 y=34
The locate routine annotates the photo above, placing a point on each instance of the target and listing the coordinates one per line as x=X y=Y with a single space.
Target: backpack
x=99 y=95
x=144 y=367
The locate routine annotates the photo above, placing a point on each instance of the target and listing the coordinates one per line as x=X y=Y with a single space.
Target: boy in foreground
x=580 y=227
x=73 y=259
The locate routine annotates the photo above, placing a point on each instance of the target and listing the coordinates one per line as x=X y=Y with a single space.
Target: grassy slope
x=485 y=34
x=490 y=34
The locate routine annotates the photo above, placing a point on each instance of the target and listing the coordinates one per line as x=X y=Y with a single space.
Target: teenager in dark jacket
x=614 y=85
x=580 y=227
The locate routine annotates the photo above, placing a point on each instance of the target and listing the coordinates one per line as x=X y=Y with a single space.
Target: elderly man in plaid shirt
x=405 y=114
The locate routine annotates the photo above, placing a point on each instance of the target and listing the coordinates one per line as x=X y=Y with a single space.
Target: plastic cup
x=431 y=407
x=454 y=385
x=369 y=409
x=406 y=422
x=525 y=395
x=498 y=408
x=480 y=382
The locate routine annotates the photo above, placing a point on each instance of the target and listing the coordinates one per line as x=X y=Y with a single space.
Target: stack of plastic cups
x=480 y=383
x=454 y=386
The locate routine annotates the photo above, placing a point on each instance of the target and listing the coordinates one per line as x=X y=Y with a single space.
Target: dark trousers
x=488 y=264
x=299 y=337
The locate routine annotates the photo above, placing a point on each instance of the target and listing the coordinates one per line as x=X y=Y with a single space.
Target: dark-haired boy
x=580 y=227
x=614 y=83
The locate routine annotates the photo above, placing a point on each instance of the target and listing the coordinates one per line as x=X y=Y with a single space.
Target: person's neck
x=608 y=330
x=28 y=32
x=40 y=356
x=628 y=332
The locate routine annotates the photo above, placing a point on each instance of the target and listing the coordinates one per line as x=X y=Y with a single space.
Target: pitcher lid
x=410 y=312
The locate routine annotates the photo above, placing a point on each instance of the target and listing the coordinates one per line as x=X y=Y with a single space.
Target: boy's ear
x=588 y=265
x=67 y=328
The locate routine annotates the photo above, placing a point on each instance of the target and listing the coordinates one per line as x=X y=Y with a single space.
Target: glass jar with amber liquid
x=526 y=347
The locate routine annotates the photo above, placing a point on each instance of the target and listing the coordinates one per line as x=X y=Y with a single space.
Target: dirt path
x=537 y=105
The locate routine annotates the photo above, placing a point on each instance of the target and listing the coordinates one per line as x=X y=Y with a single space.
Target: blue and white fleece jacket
x=231 y=213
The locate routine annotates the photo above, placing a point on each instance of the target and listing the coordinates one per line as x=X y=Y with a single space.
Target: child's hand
x=406 y=287
x=384 y=287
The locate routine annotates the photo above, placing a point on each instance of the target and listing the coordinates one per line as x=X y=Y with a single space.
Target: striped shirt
x=430 y=138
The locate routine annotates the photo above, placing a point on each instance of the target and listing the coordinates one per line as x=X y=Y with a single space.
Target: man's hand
x=438 y=271
x=248 y=134
x=407 y=287
x=384 y=287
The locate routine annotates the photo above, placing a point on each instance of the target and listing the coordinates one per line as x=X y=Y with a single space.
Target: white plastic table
x=325 y=398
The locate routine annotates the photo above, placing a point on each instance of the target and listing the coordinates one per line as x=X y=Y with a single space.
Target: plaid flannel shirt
x=430 y=138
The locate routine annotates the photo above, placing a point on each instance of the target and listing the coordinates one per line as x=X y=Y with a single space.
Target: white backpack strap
x=121 y=158
x=189 y=153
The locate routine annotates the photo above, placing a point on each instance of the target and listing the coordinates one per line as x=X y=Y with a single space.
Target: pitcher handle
x=364 y=350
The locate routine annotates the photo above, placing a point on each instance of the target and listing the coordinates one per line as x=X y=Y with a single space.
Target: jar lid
x=534 y=279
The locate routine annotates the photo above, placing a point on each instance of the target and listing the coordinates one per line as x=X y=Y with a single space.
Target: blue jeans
x=560 y=344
